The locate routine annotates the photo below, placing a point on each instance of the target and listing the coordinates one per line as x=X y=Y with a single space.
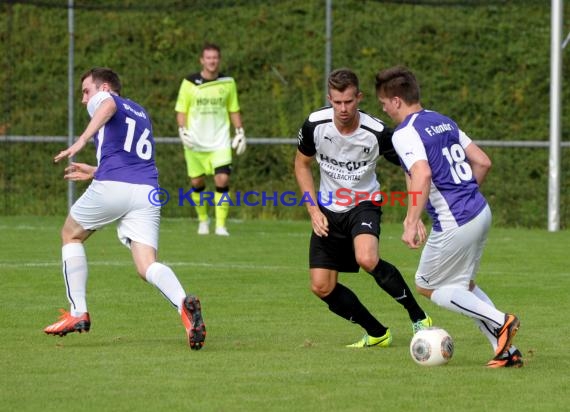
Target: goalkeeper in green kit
x=207 y=103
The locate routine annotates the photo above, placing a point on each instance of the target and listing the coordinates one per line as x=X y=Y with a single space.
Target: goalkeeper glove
x=187 y=140
x=239 y=141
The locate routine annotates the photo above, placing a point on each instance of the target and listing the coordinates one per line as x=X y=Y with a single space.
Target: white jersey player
x=447 y=168
x=347 y=163
x=347 y=144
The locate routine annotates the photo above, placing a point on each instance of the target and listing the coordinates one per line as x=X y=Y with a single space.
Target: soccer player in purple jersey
x=122 y=184
x=444 y=164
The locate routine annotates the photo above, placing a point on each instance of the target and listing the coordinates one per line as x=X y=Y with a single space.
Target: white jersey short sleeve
x=95 y=101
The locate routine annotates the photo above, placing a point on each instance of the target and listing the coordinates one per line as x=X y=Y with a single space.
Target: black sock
x=343 y=302
x=389 y=278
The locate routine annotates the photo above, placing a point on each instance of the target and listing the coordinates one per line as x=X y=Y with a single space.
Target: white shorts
x=452 y=257
x=105 y=202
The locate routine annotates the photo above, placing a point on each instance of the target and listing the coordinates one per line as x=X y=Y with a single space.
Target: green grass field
x=271 y=345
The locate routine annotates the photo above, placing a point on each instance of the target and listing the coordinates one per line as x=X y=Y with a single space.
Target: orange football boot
x=67 y=324
x=193 y=322
x=506 y=333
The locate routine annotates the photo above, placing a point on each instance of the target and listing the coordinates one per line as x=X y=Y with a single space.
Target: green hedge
x=486 y=64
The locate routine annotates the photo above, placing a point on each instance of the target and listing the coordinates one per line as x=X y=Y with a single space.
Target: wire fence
x=484 y=62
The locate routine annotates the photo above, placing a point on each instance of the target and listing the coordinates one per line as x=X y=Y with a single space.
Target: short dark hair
x=102 y=75
x=341 y=79
x=398 y=81
x=211 y=46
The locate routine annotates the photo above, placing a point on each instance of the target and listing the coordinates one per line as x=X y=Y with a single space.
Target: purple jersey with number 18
x=125 y=146
x=454 y=197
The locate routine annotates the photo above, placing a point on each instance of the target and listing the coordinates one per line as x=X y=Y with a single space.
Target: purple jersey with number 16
x=125 y=146
x=454 y=197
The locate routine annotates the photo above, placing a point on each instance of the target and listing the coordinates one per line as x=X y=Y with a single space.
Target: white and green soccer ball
x=431 y=347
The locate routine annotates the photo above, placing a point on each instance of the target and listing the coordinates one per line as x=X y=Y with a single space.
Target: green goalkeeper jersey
x=207 y=105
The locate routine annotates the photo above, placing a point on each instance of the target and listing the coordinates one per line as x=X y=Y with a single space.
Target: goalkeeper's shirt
x=207 y=104
x=347 y=162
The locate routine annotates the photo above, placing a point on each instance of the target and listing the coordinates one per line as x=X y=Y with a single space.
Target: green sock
x=221 y=209
x=201 y=209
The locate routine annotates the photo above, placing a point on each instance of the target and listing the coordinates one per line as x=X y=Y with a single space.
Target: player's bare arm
x=422 y=231
x=418 y=181
x=306 y=185
x=479 y=161
x=105 y=111
x=79 y=171
x=235 y=118
x=181 y=119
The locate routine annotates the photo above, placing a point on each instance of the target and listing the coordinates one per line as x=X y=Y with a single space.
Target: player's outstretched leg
x=343 y=302
x=193 y=322
x=389 y=278
x=68 y=323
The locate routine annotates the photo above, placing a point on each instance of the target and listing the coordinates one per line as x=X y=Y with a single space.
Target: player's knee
x=198 y=183
x=367 y=262
x=65 y=235
x=222 y=176
x=321 y=290
x=143 y=257
x=424 y=292
x=72 y=232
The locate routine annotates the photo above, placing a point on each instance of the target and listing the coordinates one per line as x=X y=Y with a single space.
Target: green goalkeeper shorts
x=205 y=163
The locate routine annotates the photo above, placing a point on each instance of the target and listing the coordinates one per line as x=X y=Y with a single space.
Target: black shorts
x=336 y=251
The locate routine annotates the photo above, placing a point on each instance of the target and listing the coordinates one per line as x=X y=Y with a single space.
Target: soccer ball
x=431 y=347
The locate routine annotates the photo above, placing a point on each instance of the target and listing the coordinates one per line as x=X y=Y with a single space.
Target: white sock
x=75 y=276
x=485 y=327
x=166 y=281
x=467 y=303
